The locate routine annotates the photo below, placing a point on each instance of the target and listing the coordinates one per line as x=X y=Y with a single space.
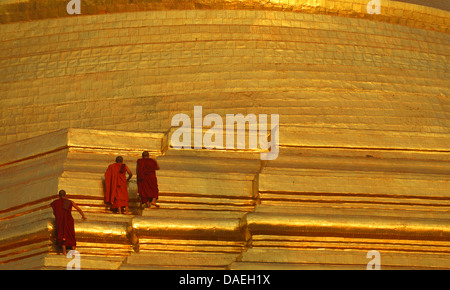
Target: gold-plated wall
x=364 y=132
x=134 y=71
x=225 y=209
x=429 y=14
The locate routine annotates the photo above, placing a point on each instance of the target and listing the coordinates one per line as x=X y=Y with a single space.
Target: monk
x=116 y=191
x=146 y=179
x=65 y=226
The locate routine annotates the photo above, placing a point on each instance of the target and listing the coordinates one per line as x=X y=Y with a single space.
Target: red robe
x=146 y=177
x=65 y=227
x=116 y=191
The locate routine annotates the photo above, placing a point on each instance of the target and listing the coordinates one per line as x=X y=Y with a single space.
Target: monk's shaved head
x=62 y=193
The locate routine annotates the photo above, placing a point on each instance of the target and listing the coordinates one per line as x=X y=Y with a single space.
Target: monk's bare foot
x=157 y=205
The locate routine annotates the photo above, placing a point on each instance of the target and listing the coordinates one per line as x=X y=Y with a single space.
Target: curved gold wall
x=430 y=14
x=134 y=70
x=364 y=131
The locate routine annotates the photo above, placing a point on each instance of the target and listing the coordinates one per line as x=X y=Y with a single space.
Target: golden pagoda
x=361 y=178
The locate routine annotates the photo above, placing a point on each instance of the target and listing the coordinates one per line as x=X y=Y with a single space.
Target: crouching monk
x=146 y=178
x=64 y=223
x=116 y=191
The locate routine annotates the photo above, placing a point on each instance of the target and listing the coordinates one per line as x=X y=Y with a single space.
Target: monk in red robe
x=146 y=179
x=116 y=191
x=64 y=223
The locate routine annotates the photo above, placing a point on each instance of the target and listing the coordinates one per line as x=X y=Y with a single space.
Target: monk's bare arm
x=129 y=173
x=79 y=210
x=157 y=165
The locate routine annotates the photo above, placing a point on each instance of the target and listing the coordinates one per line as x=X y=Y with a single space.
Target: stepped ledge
x=226 y=210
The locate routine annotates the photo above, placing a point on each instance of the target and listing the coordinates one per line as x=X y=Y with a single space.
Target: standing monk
x=146 y=178
x=65 y=226
x=116 y=191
